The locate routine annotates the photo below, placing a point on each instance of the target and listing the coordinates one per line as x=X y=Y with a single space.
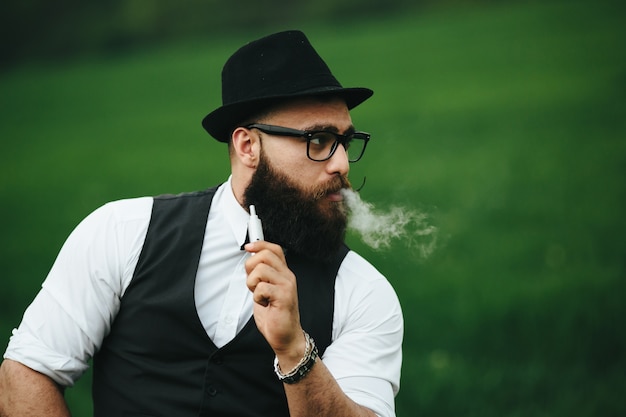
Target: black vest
x=158 y=360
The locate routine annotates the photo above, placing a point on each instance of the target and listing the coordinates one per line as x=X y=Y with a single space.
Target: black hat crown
x=280 y=66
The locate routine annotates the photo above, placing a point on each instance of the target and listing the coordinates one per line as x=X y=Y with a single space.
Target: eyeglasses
x=321 y=144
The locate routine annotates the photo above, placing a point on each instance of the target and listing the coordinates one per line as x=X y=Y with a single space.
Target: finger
x=274 y=287
x=261 y=273
x=267 y=257
x=260 y=245
x=263 y=294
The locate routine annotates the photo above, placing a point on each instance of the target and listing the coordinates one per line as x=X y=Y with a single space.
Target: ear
x=246 y=147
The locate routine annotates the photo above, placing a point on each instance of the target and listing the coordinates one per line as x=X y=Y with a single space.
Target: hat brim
x=220 y=122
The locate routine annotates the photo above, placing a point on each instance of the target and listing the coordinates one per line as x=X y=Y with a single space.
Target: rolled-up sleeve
x=68 y=319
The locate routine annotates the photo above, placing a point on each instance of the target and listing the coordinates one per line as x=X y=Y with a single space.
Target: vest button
x=211 y=390
x=217 y=359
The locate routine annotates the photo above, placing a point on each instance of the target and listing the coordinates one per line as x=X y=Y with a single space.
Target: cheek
x=291 y=162
x=297 y=172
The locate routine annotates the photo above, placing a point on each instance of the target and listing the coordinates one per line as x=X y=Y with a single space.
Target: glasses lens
x=355 y=148
x=321 y=144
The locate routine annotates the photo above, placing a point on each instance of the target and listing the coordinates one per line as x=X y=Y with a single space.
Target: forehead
x=311 y=112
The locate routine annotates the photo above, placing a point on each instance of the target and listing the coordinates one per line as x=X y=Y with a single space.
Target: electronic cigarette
x=255 y=230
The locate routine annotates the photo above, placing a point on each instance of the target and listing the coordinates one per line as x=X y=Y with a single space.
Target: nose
x=338 y=163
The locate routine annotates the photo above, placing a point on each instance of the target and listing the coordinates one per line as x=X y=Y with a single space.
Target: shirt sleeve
x=365 y=356
x=66 y=322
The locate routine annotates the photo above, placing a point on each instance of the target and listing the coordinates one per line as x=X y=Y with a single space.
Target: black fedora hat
x=277 y=67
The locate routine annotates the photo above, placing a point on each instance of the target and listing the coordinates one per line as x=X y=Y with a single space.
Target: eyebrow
x=328 y=128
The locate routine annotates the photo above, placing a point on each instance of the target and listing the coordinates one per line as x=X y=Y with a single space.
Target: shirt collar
x=236 y=216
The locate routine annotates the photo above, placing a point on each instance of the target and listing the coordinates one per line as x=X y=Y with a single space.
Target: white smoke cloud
x=379 y=229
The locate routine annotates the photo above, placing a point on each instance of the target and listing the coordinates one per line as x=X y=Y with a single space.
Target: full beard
x=303 y=221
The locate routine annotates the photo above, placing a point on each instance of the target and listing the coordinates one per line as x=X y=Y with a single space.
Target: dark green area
x=40 y=29
x=505 y=122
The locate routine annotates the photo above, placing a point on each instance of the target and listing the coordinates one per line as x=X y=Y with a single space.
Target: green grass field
x=505 y=123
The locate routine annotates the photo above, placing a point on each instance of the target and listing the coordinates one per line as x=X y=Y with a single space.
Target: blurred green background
x=504 y=121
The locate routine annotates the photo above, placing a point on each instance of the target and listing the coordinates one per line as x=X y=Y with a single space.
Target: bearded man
x=179 y=317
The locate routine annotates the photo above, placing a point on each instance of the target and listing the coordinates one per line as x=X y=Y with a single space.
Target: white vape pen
x=255 y=230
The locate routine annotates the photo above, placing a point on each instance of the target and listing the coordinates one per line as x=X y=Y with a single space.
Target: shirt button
x=228 y=319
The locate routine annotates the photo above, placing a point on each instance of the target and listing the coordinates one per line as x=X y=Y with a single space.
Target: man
x=183 y=317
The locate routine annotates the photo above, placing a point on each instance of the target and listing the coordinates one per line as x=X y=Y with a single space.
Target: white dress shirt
x=69 y=318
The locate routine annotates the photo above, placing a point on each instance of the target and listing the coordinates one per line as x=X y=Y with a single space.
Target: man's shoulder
x=141 y=207
x=358 y=275
x=126 y=209
x=189 y=195
x=356 y=265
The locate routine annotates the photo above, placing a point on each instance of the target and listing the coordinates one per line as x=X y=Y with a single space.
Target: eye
x=322 y=139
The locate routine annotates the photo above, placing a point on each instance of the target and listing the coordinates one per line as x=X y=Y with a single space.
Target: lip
x=335 y=196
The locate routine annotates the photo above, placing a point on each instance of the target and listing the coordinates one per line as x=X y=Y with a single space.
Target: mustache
x=334 y=185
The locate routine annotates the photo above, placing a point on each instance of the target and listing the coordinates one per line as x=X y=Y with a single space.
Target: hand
x=275 y=296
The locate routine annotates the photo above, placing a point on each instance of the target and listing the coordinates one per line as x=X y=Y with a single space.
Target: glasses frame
x=308 y=135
